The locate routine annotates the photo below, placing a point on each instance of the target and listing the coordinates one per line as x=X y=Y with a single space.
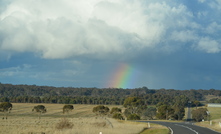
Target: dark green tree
x=199 y=114
x=5 y=107
x=67 y=108
x=196 y=103
x=118 y=116
x=116 y=113
x=164 y=112
x=133 y=104
x=179 y=113
x=180 y=102
x=115 y=110
x=149 y=113
x=101 y=110
x=133 y=117
x=39 y=109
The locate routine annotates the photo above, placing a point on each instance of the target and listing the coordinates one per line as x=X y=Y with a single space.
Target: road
x=189 y=116
x=184 y=128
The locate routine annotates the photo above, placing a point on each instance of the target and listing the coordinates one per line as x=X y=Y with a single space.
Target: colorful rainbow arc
x=123 y=77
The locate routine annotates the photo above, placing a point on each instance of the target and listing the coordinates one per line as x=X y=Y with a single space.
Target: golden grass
x=23 y=121
x=90 y=125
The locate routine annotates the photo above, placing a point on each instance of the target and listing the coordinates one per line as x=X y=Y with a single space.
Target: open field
x=215 y=112
x=22 y=120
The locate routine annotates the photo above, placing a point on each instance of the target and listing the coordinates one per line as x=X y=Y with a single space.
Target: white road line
x=188 y=128
x=171 y=130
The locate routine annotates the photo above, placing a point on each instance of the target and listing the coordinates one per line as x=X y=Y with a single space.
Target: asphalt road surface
x=184 y=128
x=189 y=116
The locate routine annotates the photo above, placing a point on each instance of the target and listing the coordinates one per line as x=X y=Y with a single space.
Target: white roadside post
x=148 y=124
x=208 y=113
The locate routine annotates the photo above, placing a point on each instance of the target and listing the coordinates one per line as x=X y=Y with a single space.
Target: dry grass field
x=80 y=121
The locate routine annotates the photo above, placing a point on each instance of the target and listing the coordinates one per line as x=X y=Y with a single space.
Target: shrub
x=199 y=114
x=133 y=117
x=67 y=108
x=64 y=124
x=118 y=116
x=101 y=110
x=115 y=110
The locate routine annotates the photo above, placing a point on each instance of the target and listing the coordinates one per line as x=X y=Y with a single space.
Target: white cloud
x=208 y=45
x=213 y=28
x=96 y=28
x=184 y=36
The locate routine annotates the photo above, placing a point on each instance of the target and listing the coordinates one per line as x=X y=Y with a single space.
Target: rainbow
x=124 y=76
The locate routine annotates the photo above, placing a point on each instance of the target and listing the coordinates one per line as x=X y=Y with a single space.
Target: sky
x=111 y=43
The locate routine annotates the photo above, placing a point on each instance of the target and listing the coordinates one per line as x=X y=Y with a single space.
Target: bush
x=118 y=116
x=101 y=110
x=64 y=124
x=199 y=114
x=133 y=117
x=115 y=110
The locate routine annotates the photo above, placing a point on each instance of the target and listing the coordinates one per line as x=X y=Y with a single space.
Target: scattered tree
x=67 y=108
x=101 y=110
x=196 y=103
x=39 y=109
x=5 y=107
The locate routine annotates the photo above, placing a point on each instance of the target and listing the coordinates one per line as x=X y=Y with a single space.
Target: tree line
x=97 y=96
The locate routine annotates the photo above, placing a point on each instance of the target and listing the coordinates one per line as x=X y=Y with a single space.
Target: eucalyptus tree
x=134 y=107
x=196 y=103
x=117 y=113
x=39 y=109
x=5 y=107
x=67 y=108
x=101 y=110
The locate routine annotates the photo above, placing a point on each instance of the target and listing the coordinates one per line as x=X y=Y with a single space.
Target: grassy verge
x=214 y=125
x=156 y=129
